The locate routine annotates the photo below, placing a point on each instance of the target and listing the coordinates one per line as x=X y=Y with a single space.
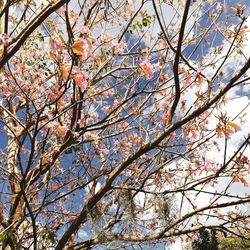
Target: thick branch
x=177 y=60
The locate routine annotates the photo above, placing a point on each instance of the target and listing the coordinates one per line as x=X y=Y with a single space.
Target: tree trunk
x=2 y=3
x=13 y=173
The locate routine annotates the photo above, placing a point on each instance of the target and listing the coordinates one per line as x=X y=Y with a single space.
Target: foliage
x=217 y=240
x=234 y=243
x=206 y=241
x=122 y=122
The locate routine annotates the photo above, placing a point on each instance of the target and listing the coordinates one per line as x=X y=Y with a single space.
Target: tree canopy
x=123 y=122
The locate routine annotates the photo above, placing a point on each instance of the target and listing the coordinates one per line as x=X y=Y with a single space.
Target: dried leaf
x=64 y=71
x=234 y=125
x=219 y=132
x=77 y=47
x=233 y=9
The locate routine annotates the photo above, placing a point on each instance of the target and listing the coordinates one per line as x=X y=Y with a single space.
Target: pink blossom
x=157 y=67
x=58 y=169
x=5 y=39
x=55 y=45
x=82 y=122
x=81 y=82
x=118 y=47
x=84 y=30
x=105 y=151
x=80 y=78
x=147 y=68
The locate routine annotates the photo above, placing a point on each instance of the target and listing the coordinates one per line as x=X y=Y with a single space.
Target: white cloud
x=93 y=187
x=175 y=246
x=83 y=235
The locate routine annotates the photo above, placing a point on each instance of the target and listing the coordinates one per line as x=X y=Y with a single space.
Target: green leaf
x=145 y=21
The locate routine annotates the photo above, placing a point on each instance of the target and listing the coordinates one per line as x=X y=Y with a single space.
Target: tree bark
x=13 y=173
x=2 y=4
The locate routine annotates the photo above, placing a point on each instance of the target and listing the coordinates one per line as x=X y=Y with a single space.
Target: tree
x=234 y=243
x=116 y=124
x=217 y=240
x=206 y=241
